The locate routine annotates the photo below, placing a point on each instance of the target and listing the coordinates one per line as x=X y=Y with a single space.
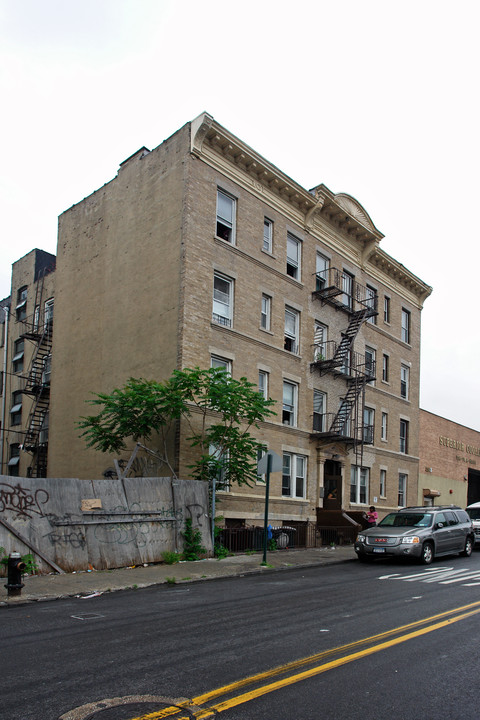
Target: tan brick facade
x=27 y=351
x=134 y=297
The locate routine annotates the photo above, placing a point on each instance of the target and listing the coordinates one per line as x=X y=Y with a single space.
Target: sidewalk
x=82 y=584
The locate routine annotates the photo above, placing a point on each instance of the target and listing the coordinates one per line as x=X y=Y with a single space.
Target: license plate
x=378 y=549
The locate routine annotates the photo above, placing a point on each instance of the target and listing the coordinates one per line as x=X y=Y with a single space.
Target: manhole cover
x=134 y=707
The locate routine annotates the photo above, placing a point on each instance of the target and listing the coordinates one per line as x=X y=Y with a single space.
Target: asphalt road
x=353 y=641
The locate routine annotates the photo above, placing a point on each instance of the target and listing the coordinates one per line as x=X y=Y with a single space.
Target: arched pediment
x=353 y=208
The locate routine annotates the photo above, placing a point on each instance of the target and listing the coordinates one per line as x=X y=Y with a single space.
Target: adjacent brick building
x=449 y=462
x=26 y=338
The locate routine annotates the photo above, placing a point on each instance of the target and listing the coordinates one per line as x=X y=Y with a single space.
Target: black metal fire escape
x=39 y=331
x=335 y=288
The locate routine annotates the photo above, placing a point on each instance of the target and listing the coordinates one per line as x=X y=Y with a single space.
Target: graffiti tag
x=22 y=500
x=74 y=539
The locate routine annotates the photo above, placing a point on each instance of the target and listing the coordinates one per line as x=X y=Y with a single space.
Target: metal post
x=214 y=485
x=4 y=391
x=265 y=525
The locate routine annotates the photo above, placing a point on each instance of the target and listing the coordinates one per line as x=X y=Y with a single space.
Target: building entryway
x=332 y=475
x=473 y=493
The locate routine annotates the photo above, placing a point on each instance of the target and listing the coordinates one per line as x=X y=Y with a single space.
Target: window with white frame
x=322 y=266
x=294 y=475
x=263 y=383
x=14 y=459
x=293 y=256
x=346 y=367
x=404 y=436
x=16 y=409
x=404 y=381
x=265 y=315
x=261 y=479
x=222 y=312
x=371 y=302
x=405 y=335
x=226 y=210
x=368 y=425
x=222 y=363
x=289 y=412
x=18 y=357
x=292 y=323
x=267 y=235
x=384 y=425
x=36 y=318
x=320 y=342
x=347 y=288
x=220 y=460
x=344 y=422
x=402 y=489
x=383 y=483
x=43 y=434
x=47 y=370
x=359 y=478
x=385 y=368
x=319 y=410
x=386 y=309
x=21 y=306
x=48 y=313
x=370 y=363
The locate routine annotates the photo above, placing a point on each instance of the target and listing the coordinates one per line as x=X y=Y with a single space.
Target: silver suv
x=418 y=532
x=474 y=511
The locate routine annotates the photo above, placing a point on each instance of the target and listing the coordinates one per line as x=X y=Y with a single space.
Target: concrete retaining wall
x=77 y=524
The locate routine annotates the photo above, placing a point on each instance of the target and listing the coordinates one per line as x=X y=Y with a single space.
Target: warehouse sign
x=458 y=445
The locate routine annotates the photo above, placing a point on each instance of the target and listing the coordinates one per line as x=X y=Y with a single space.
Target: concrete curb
x=83 y=585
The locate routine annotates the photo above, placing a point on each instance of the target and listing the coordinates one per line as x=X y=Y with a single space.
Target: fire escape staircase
x=347 y=424
x=37 y=386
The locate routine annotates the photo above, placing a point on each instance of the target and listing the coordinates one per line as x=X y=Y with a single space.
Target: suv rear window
x=464 y=516
x=407 y=520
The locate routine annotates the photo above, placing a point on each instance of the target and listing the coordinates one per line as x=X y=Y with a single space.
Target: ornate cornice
x=209 y=138
x=400 y=274
x=218 y=147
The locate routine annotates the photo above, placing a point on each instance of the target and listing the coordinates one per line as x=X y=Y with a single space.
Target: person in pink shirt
x=372 y=516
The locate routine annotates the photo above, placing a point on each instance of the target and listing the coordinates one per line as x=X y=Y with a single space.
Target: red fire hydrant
x=15 y=568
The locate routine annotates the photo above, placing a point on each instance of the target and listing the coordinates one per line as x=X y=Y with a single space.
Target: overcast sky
x=373 y=98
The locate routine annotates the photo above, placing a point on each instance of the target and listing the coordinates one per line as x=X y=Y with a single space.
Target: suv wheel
x=467 y=551
x=427 y=554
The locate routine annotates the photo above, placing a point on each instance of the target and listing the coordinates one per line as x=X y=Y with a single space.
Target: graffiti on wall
x=21 y=500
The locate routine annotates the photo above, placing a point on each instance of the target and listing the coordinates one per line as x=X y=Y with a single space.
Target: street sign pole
x=265 y=525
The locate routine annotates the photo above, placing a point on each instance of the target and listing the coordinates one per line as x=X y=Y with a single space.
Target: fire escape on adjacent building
x=348 y=424
x=39 y=331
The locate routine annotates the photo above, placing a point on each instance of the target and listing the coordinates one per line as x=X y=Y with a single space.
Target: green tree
x=219 y=410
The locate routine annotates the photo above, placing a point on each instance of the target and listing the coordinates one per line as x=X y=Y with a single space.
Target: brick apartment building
x=26 y=339
x=201 y=252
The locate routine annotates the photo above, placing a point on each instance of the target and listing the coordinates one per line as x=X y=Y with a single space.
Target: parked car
x=418 y=532
x=474 y=511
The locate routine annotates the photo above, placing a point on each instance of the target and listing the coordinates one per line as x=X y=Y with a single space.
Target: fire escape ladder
x=346 y=343
x=345 y=414
x=36 y=375
x=35 y=422
x=37 y=386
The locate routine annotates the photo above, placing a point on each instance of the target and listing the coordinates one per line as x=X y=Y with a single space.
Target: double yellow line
x=201 y=707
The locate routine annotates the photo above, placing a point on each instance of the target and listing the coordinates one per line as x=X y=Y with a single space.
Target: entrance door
x=333 y=485
x=473 y=494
